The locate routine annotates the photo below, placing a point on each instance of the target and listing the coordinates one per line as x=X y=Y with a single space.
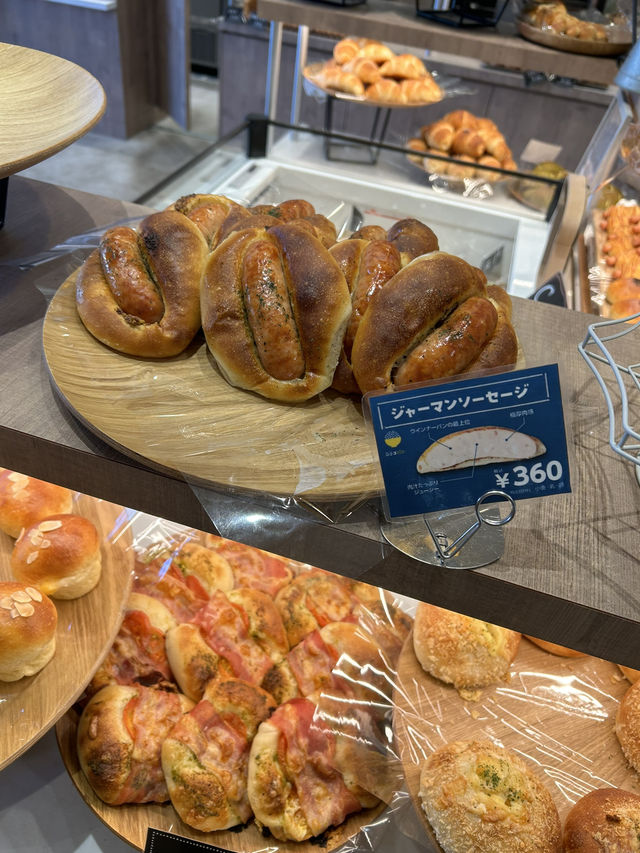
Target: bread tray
x=310 y=71
x=569 y=44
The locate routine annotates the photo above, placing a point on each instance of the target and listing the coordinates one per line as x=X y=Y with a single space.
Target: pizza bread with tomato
x=339 y=659
x=295 y=785
x=138 y=654
x=205 y=756
x=239 y=633
x=252 y=567
x=120 y=736
x=223 y=656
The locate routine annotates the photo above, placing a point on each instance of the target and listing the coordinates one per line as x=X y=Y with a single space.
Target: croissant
x=495 y=144
x=488 y=160
x=404 y=66
x=340 y=81
x=457 y=170
x=364 y=68
x=420 y=91
x=486 y=124
x=377 y=51
x=439 y=135
x=345 y=50
x=468 y=142
x=385 y=91
x=416 y=144
x=459 y=119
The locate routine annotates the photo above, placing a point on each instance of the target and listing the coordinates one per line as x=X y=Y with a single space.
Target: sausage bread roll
x=139 y=292
x=275 y=305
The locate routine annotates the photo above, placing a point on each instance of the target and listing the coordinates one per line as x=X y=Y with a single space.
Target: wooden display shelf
x=397 y=22
x=569 y=571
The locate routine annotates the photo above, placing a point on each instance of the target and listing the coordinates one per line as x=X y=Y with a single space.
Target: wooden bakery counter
x=568 y=569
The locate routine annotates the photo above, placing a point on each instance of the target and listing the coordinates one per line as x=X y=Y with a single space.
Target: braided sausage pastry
x=139 y=291
x=275 y=305
x=432 y=320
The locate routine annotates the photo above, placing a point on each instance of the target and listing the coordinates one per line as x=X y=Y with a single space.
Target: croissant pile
x=555 y=18
x=620 y=248
x=461 y=135
x=288 y=311
x=369 y=69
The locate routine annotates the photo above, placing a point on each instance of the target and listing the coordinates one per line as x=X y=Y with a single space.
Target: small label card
x=443 y=446
x=159 y=841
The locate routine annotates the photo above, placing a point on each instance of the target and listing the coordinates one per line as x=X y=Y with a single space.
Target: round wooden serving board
x=558 y=713
x=181 y=415
x=570 y=44
x=86 y=629
x=46 y=103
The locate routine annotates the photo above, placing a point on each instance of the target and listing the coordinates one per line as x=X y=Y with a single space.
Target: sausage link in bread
x=448 y=349
x=404 y=312
x=140 y=293
x=310 y=318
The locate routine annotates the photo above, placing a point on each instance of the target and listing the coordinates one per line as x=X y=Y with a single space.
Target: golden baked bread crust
x=193 y=662
x=120 y=736
x=210 y=569
x=60 y=555
x=406 y=310
x=607 y=819
x=460 y=650
x=294 y=788
x=25 y=500
x=28 y=621
x=168 y=255
x=482 y=798
x=275 y=302
x=211 y=213
x=204 y=757
x=628 y=725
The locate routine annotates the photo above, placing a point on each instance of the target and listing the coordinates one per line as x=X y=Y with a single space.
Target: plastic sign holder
x=451 y=452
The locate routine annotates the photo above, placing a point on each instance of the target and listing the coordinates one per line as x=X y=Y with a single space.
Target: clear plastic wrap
x=386 y=714
x=353 y=698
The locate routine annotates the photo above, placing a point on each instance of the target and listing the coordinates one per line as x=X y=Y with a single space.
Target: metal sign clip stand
x=435 y=537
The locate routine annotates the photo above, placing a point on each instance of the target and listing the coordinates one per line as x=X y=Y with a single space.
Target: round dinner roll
x=607 y=819
x=28 y=621
x=25 y=500
x=59 y=555
x=555 y=649
x=628 y=725
x=460 y=650
x=483 y=798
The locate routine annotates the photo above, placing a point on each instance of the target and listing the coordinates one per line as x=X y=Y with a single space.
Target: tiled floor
x=128 y=169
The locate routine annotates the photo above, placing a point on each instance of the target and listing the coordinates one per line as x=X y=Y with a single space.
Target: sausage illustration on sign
x=484 y=445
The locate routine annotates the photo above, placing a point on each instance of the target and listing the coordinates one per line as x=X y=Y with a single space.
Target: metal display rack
x=623 y=439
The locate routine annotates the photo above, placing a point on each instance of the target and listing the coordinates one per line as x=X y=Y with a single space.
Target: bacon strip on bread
x=205 y=756
x=252 y=568
x=138 y=654
x=294 y=788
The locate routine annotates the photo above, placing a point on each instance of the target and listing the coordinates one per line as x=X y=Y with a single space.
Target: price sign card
x=443 y=446
x=159 y=841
